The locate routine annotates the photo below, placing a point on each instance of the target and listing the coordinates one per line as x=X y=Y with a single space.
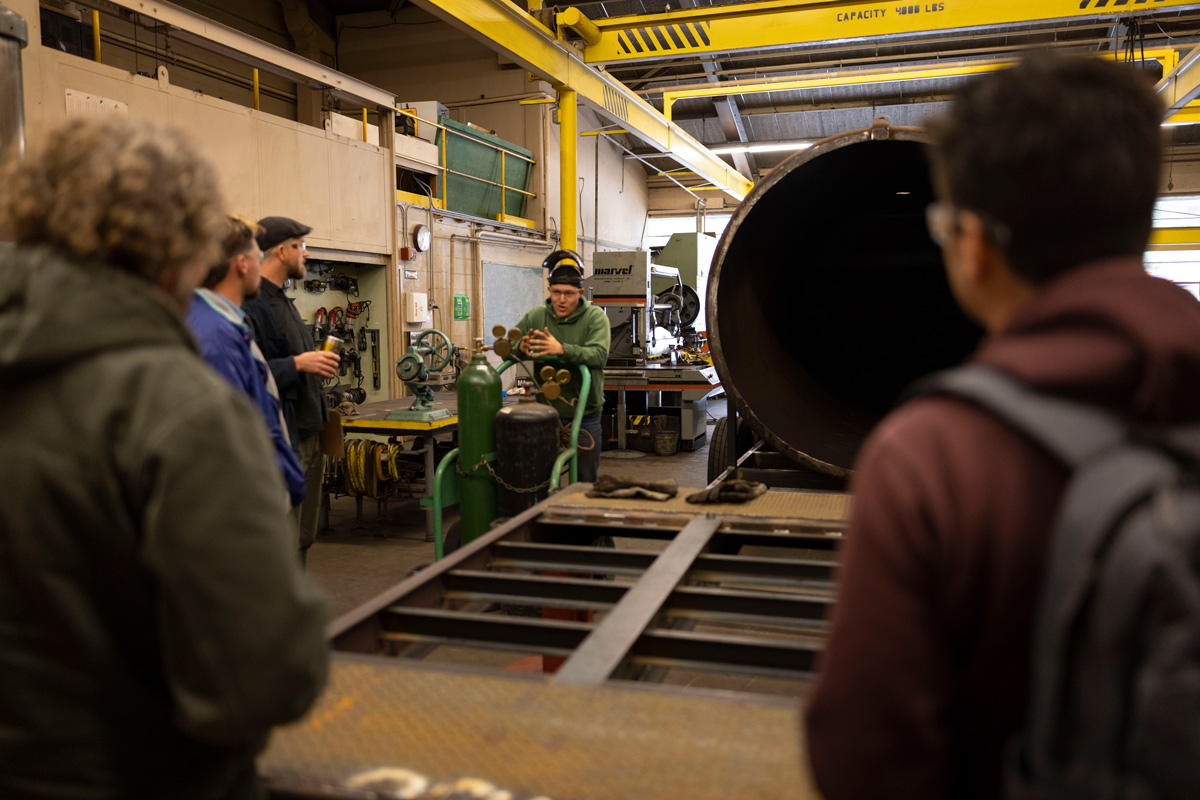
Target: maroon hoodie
x=924 y=678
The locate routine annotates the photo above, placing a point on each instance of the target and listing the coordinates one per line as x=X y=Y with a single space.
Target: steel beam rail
x=699 y=603
x=1181 y=85
x=675 y=649
x=1166 y=56
x=602 y=654
x=789 y=572
x=784 y=23
x=509 y=30
x=242 y=47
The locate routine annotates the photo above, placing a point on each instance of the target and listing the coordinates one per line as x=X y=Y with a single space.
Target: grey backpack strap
x=1072 y=431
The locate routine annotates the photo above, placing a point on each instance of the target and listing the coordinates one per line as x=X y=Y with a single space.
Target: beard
x=297 y=271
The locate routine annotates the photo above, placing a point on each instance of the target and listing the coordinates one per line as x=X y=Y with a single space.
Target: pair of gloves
x=612 y=486
x=731 y=491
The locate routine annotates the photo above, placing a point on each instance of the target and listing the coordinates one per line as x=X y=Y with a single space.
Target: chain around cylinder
x=483 y=462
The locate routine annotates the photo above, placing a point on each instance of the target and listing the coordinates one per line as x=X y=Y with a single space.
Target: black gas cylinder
x=527 y=442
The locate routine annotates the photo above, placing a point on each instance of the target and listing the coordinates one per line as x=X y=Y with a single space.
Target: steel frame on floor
x=548 y=558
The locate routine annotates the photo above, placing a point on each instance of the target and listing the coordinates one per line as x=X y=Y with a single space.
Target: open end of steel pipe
x=827 y=297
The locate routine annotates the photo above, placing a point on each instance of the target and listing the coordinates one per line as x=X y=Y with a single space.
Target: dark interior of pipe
x=832 y=298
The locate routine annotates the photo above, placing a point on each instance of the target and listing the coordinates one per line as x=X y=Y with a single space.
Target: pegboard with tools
x=346 y=301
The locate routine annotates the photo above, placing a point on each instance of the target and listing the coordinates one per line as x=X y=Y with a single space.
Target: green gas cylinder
x=478 y=402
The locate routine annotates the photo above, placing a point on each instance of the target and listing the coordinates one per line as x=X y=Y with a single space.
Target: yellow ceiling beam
x=1181 y=85
x=1166 y=56
x=783 y=23
x=509 y=30
x=844 y=79
x=574 y=19
x=1175 y=239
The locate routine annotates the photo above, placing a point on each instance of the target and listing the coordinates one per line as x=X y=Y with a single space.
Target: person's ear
x=977 y=255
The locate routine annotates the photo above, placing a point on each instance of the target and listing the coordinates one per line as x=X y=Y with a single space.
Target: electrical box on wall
x=416 y=307
x=462 y=307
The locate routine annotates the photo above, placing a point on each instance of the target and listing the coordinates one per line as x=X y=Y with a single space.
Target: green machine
x=466 y=475
x=692 y=255
x=430 y=352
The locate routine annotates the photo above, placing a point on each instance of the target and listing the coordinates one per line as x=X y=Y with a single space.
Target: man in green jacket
x=154 y=622
x=571 y=331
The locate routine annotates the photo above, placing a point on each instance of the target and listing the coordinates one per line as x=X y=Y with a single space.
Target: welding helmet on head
x=566 y=267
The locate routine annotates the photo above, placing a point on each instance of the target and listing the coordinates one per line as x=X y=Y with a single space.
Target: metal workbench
x=372 y=419
x=693 y=384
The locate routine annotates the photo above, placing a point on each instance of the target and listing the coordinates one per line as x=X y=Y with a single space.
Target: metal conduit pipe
x=827 y=297
x=14 y=35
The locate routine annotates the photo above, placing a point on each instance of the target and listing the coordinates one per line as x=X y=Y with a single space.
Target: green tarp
x=467 y=153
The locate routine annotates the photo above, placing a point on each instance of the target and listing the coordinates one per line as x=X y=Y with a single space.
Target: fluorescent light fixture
x=1170 y=124
x=767 y=147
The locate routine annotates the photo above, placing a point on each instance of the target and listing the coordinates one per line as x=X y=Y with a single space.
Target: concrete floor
x=356 y=562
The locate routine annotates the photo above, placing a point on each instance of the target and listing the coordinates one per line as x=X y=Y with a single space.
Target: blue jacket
x=225 y=345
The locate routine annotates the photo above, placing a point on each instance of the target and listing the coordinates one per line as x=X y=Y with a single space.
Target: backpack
x=1114 y=704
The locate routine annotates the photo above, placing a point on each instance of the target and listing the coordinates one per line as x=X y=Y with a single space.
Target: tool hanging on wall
x=320 y=325
x=337 y=324
x=342 y=282
x=314 y=286
x=353 y=310
x=375 y=379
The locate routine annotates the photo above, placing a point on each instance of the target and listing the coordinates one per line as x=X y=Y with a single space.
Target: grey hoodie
x=154 y=621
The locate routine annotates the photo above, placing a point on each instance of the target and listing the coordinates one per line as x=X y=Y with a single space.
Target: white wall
x=267 y=165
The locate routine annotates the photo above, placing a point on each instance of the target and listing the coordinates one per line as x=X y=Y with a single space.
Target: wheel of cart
x=720 y=455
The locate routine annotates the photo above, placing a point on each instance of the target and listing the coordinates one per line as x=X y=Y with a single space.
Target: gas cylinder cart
x=500 y=465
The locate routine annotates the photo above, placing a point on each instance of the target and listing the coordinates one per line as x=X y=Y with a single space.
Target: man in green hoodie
x=154 y=622
x=571 y=331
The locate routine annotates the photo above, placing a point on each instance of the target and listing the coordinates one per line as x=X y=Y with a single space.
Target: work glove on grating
x=730 y=491
x=610 y=486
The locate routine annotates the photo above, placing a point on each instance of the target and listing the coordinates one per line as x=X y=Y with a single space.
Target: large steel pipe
x=827 y=297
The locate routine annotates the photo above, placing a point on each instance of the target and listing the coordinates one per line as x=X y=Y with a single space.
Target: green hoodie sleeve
x=241 y=627
x=592 y=350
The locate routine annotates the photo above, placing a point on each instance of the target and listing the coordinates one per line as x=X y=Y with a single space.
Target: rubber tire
x=718 y=445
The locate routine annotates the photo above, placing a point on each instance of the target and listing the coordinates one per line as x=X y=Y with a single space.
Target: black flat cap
x=279 y=229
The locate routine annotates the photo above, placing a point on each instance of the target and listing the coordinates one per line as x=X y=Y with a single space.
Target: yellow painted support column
x=96 y=34
x=445 y=134
x=568 y=137
x=256 y=108
x=364 y=125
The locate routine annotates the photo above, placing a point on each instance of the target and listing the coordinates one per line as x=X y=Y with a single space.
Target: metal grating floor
x=534 y=738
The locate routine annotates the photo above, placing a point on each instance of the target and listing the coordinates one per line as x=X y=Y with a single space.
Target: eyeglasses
x=565 y=295
x=941 y=219
x=298 y=246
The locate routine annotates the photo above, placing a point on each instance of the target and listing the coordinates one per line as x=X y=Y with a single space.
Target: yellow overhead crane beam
x=1168 y=57
x=1180 y=86
x=511 y=31
x=782 y=23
